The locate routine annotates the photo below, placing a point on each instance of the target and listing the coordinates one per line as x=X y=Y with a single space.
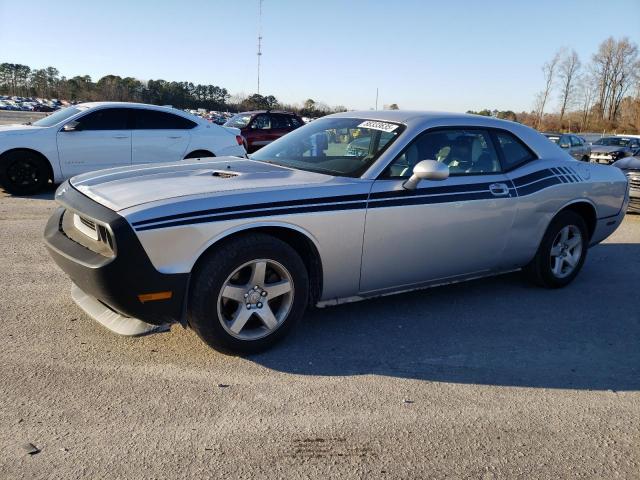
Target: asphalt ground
x=490 y=379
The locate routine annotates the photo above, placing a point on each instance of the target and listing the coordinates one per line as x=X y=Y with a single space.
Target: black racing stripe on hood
x=267 y=205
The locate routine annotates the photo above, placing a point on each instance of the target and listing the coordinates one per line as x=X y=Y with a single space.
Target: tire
x=199 y=154
x=23 y=172
x=586 y=158
x=222 y=290
x=544 y=269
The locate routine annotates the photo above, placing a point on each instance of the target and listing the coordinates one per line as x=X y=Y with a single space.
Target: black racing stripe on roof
x=267 y=205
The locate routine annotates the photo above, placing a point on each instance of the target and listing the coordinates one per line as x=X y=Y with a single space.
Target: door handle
x=174 y=136
x=121 y=136
x=499 y=189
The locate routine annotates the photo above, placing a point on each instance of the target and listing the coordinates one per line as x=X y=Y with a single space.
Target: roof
x=254 y=112
x=405 y=116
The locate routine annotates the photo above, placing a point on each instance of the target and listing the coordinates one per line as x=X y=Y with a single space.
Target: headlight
x=88 y=233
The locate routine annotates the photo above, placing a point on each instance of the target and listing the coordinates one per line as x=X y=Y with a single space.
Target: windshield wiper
x=27 y=123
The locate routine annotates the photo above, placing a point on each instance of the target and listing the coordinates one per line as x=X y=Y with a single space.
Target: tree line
x=22 y=80
x=602 y=95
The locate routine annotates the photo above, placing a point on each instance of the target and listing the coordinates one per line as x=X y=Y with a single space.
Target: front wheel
x=23 y=173
x=562 y=251
x=248 y=294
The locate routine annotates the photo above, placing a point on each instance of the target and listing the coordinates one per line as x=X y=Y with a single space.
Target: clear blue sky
x=443 y=55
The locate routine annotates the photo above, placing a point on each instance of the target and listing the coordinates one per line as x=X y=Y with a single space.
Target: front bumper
x=114 y=281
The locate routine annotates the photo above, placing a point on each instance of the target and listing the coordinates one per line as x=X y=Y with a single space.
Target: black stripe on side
x=532 y=177
x=534 y=187
x=432 y=199
x=561 y=175
x=287 y=203
x=472 y=187
x=257 y=213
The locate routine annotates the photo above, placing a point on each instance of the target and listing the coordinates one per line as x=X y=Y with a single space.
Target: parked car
x=261 y=127
x=574 y=145
x=631 y=168
x=238 y=248
x=93 y=136
x=43 y=107
x=609 y=149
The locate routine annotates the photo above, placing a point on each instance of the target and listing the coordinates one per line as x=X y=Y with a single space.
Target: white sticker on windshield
x=384 y=126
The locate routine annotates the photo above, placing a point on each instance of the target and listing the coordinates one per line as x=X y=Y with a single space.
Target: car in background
x=574 y=145
x=94 y=136
x=610 y=149
x=261 y=127
x=238 y=248
x=631 y=168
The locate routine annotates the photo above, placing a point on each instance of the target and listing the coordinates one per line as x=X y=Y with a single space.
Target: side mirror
x=71 y=127
x=427 y=170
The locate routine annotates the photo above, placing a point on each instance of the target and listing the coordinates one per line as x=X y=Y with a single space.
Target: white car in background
x=95 y=136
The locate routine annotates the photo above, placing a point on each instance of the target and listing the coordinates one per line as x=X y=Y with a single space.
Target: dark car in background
x=261 y=127
x=574 y=145
x=610 y=149
x=631 y=168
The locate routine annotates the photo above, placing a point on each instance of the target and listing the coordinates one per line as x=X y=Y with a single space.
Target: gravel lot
x=9 y=117
x=490 y=379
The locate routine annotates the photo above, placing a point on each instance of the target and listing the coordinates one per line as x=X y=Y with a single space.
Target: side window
x=105 y=119
x=295 y=123
x=514 y=152
x=464 y=151
x=279 y=121
x=262 y=122
x=575 y=141
x=156 y=120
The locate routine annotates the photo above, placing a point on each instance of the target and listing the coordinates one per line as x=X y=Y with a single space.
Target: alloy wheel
x=255 y=299
x=566 y=251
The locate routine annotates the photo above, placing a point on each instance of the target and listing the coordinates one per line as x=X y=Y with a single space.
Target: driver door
x=443 y=229
x=101 y=139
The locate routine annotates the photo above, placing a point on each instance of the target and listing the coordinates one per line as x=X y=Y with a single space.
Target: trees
x=549 y=70
x=567 y=75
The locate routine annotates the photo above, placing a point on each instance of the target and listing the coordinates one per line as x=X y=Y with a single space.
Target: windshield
x=344 y=147
x=238 y=121
x=57 y=117
x=612 y=142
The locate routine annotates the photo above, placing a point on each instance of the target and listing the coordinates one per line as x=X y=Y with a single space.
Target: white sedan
x=94 y=136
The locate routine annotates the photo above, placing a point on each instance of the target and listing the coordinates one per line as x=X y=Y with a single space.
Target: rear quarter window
x=514 y=151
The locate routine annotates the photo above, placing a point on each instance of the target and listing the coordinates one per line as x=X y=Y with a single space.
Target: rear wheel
x=585 y=158
x=23 y=172
x=561 y=253
x=248 y=294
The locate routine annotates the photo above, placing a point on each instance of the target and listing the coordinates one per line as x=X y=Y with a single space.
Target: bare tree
x=615 y=66
x=587 y=91
x=549 y=69
x=568 y=72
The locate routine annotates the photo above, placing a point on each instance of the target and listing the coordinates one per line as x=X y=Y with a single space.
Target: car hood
x=606 y=149
x=17 y=129
x=628 y=163
x=125 y=187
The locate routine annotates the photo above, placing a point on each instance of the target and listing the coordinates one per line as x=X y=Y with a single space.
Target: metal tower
x=259 y=41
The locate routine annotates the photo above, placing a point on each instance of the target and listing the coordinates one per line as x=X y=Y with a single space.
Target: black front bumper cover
x=116 y=281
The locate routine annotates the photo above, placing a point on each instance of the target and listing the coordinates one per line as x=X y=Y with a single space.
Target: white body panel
x=72 y=153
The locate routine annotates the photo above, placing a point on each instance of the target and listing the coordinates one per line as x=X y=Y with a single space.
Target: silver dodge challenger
x=351 y=206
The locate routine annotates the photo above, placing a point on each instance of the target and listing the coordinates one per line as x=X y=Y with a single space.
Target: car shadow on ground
x=497 y=331
x=47 y=193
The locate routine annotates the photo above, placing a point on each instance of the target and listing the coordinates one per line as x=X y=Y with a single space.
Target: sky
x=450 y=55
